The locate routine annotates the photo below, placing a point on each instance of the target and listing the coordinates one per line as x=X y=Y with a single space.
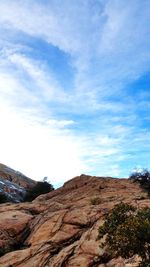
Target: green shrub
x=95 y=201
x=127 y=232
x=38 y=189
x=3 y=198
x=143 y=178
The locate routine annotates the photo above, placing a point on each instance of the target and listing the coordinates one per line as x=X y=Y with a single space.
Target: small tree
x=142 y=177
x=127 y=232
x=38 y=189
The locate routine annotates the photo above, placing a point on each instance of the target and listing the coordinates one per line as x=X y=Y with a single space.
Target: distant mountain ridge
x=14 y=184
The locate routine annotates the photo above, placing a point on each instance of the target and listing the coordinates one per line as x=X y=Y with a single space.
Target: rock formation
x=60 y=229
x=13 y=183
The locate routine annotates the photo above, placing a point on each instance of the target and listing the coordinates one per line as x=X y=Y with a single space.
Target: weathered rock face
x=60 y=229
x=15 y=177
x=14 y=184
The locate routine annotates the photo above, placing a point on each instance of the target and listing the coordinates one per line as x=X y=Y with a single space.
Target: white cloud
x=99 y=34
x=55 y=22
x=60 y=123
x=108 y=44
x=44 y=80
x=37 y=148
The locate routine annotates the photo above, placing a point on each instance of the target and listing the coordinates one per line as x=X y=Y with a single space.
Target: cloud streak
x=89 y=120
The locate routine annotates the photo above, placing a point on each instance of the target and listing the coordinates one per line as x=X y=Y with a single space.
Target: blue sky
x=74 y=87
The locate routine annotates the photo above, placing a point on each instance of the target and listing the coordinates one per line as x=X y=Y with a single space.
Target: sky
x=74 y=87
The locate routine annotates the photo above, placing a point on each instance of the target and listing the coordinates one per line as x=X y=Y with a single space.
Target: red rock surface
x=60 y=229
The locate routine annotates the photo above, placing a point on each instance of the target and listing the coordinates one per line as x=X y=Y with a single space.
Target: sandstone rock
x=14 y=227
x=62 y=226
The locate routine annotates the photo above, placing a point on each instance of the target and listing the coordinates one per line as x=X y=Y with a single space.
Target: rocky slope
x=13 y=183
x=60 y=229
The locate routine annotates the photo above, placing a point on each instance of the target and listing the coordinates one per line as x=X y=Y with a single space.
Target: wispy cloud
x=89 y=120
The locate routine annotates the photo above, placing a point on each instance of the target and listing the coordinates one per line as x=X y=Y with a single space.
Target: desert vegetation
x=38 y=189
x=127 y=232
x=95 y=201
x=143 y=178
x=3 y=198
